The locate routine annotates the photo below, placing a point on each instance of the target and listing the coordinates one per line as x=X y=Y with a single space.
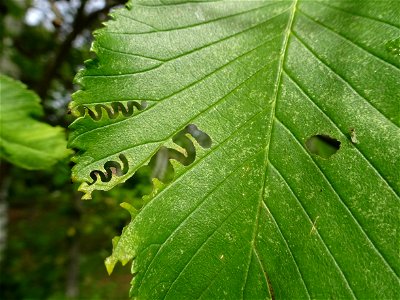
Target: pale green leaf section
x=257 y=215
x=25 y=141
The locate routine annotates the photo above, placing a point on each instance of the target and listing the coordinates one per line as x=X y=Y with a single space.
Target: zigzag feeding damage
x=96 y=112
x=185 y=155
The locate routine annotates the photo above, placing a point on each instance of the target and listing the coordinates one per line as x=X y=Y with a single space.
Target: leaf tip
x=110 y=264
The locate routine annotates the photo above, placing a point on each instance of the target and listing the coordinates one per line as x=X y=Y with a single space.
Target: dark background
x=56 y=243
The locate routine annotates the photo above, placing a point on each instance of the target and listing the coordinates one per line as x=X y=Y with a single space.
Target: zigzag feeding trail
x=186 y=157
x=113 y=112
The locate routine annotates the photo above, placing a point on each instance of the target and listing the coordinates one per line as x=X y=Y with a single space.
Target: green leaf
x=25 y=141
x=258 y=214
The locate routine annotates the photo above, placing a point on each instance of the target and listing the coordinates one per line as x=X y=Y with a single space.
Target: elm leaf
x=258 y=212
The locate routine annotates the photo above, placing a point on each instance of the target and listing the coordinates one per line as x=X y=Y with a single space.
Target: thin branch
x=81 y=22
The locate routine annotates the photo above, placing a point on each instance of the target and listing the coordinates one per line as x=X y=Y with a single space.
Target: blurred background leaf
x=52 y=244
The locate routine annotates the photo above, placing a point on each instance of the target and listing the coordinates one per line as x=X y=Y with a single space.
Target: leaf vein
x=358 y=14
x=194 y=25
x=271 y=117
x=317 y=232
x=264 y=272
x=185 y=3
x=136 y=20
x=247 y=272
x=97 y=44
x=268 y=212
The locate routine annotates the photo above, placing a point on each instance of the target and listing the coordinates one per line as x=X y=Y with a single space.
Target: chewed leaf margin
x=181 y=148
x=112 y=110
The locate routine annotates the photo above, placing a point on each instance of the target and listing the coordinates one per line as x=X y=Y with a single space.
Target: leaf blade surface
x=257 y=214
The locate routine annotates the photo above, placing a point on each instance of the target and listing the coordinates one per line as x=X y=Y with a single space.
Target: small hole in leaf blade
x=322 y=145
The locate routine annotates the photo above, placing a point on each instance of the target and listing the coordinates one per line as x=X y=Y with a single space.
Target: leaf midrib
x=266 y=148
x=268 y=140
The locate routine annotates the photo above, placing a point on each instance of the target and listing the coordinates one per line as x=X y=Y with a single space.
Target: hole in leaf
x=322 y=145
x=161 y=167
x=160 y=163
x=201 y=137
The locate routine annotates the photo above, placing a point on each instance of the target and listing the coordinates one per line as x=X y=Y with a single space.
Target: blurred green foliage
x=44 y=222
x=50 y=230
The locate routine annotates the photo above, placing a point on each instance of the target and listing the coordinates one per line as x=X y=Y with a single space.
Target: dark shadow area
x=322 y=145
